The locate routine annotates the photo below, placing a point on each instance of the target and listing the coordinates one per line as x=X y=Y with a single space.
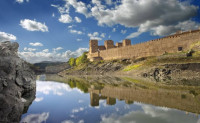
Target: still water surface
x=72 y=102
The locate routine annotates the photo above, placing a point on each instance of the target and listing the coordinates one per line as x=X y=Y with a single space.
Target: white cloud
x=64 y=11
x=77 y=19
x=65 y=18
x=109 y=2
x=80 y=7
x=45 y=50
x=36 y=44
x=78 y=39
x=29 y=49
x=133 y=35
x=103 y=35
x=7 y=37
x=67 y=121
x=53 y=15
x=162 y=30
x=75 y=31
x=146 y=15
x=94 y=35
x=140 y=12
x=123 y=31
x=70 y=121
x=114 y=30
x=70 y=26
x=166 y=30
x=34 y=57
x=33 y=25
x=21 y=1
x=57 y=49
x=36 y=118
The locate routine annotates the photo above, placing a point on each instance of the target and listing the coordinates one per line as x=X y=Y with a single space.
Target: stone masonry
x=181 y=41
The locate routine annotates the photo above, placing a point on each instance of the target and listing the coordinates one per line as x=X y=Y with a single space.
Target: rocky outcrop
x=17 y=81
x=189 y=71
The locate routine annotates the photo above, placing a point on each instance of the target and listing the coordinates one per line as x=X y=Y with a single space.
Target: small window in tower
x=180 y=48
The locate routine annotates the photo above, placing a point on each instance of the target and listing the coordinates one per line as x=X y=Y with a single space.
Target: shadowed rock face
x=17 y=81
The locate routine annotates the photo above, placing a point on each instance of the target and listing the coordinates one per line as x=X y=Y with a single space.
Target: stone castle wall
x=170 y=44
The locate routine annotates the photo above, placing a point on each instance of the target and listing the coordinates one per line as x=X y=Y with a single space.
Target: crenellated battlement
x=108 y=44
x=173 y=43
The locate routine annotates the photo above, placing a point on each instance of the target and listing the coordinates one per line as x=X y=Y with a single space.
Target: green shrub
x=82 y=59
x=72 y=61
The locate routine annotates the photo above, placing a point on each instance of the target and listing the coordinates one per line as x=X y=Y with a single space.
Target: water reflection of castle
x=95 y=97
x=160 y=97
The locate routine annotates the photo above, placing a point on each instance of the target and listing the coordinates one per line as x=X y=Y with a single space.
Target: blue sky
x=55 y=30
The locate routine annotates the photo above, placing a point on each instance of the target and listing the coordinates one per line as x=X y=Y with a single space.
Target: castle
x=181 y=41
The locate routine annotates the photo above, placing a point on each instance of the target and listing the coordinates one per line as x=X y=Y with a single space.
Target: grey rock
x=5 y=84
x=19 y=82
x=16 y=79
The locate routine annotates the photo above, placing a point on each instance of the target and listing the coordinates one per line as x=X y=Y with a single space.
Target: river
x=109 y=100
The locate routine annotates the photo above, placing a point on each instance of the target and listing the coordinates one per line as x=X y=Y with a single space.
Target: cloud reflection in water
x=151 y=114
x=38 y=99
x=46 y=87
x=35 y=118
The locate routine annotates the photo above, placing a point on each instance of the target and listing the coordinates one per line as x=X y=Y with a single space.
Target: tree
x=82 y=59
x=72 y=61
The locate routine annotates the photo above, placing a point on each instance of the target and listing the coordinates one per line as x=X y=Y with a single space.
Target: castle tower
x=118 y=44
x=93 y=46
x=109 y=44
x=126 y=42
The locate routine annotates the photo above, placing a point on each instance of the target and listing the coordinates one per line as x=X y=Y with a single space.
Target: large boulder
x=16 y=81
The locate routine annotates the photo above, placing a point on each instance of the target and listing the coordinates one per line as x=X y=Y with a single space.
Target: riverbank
x=181 y=65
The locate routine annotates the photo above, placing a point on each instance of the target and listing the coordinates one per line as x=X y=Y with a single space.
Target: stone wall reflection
x=182 y=100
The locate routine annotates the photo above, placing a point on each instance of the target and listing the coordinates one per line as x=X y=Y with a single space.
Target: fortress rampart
x=181 y=41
